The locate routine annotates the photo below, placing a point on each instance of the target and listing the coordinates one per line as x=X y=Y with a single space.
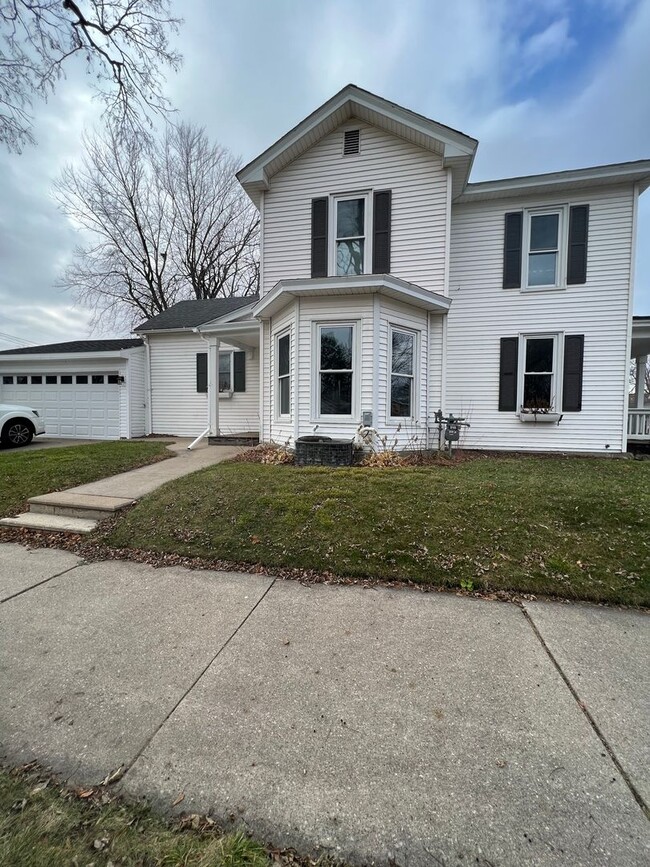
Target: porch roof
x=640 y=336
x=361 y=284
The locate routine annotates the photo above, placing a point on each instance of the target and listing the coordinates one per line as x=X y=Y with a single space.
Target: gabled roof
x=456 y=148
x=76 y=346
x=637 y=171
x=187 y=315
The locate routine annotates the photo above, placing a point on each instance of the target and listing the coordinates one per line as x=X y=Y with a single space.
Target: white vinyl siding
x=176 y=406
x=481 y=313
x=281 y=428
x=419 y=201
x=137 y=393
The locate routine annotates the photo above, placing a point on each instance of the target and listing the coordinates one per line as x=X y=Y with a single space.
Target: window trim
x=562 y=240
x=316 y=371
x=558 y=367
x=396 y=419
x=279 y=415
x=334 y=199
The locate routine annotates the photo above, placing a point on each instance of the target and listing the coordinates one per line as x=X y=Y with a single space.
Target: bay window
x=283 y=346
x=402 y=367
x=335 y=369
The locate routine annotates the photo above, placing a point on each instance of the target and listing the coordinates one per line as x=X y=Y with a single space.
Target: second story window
x=544 y=231
x=350 y=235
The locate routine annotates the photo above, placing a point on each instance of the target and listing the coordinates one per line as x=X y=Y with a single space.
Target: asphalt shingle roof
x=190 y=314
x=77 y=346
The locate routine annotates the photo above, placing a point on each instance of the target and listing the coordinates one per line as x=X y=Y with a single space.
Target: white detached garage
x=85 y=389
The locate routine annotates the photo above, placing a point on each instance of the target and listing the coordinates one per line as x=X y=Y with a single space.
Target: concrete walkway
x=425 y=728
x=136 y=483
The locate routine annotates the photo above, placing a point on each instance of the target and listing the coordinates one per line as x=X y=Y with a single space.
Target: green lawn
x=47 y=827
x=25 y=473
x=572 y=527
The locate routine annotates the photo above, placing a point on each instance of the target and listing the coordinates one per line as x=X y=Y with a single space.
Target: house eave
x=362 y=284
x=51 y=357
x=637 y=172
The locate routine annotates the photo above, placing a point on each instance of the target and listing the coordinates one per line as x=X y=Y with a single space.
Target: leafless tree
x=123 y=43
x=162 y=221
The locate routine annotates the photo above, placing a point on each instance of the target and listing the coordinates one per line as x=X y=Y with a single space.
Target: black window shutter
x=202 y=371
x=508 y=364
x=319 y=237
x=512 y=250
x=574 y=346
x=381 y=232
x=577 y=253
x=239 y=371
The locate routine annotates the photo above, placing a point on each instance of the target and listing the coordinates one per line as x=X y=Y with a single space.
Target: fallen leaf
x=178 y=800
x=86 y=793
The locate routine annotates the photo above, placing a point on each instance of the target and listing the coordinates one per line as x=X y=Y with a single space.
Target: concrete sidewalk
x=379 y=724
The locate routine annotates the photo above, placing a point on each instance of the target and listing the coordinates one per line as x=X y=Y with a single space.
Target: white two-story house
x=392 y=287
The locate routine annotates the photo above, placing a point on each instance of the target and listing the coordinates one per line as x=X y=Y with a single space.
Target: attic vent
x=351 y=142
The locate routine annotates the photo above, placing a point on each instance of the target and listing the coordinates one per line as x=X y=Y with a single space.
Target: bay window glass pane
x=400 y=396
x=537 y=390
x=542 y=269
x=224 y=371
x=539 y=355
x=283 y=356
x=350 y=218
x=349 y=257
x=336 y=347
x=336 y=393
x=285 y=397
x=544 y=231
x=402 y=352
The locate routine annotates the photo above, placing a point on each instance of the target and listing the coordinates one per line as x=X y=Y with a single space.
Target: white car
x=19 y=425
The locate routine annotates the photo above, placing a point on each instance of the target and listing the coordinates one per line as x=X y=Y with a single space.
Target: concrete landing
x=50 y=523
x=76 y=505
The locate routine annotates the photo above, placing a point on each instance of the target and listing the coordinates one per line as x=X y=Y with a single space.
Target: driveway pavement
x=379 y=724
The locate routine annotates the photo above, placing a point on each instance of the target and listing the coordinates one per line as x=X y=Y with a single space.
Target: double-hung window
x=402 y=368
x=335 y=369
x=544 y=265
x=539 y=375
x=225 y=371
x=284 y=374
x=350 y=241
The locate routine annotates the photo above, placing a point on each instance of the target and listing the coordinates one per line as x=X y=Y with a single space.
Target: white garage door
x=82 y=405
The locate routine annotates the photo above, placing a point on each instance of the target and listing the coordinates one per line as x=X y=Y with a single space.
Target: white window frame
x=356 y=369
x=366 y=195
x=230 y=352
x=558 y=367
x=278 y=397
x=414 y=376
x=562 y=239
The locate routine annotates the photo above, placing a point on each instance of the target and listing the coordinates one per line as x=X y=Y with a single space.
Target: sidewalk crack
x=40 y=583
x=592 y=722
x=124 y=769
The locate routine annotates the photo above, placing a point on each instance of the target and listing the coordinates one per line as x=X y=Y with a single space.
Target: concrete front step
x=73 y=505
x=50 y=523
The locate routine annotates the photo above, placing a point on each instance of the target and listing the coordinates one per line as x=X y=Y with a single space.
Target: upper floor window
x=546 y=248
x=350 y=235
x=544 y=233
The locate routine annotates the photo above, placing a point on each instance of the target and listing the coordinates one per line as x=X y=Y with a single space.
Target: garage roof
x=76 y=346
x=190 y=314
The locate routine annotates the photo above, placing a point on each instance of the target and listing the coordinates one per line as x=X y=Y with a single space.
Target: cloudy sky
x=543 y=84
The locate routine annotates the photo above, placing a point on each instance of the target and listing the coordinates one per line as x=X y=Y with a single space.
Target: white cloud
x=545 y=46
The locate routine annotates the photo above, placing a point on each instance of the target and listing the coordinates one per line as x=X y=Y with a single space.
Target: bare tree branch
x=166 y=220
x=124 y=43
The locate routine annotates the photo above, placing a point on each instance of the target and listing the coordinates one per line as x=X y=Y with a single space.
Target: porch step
x=50 y=523
x=245 y=439
x=73 y=505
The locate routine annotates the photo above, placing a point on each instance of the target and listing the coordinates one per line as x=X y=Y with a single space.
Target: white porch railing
x=638 y=424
